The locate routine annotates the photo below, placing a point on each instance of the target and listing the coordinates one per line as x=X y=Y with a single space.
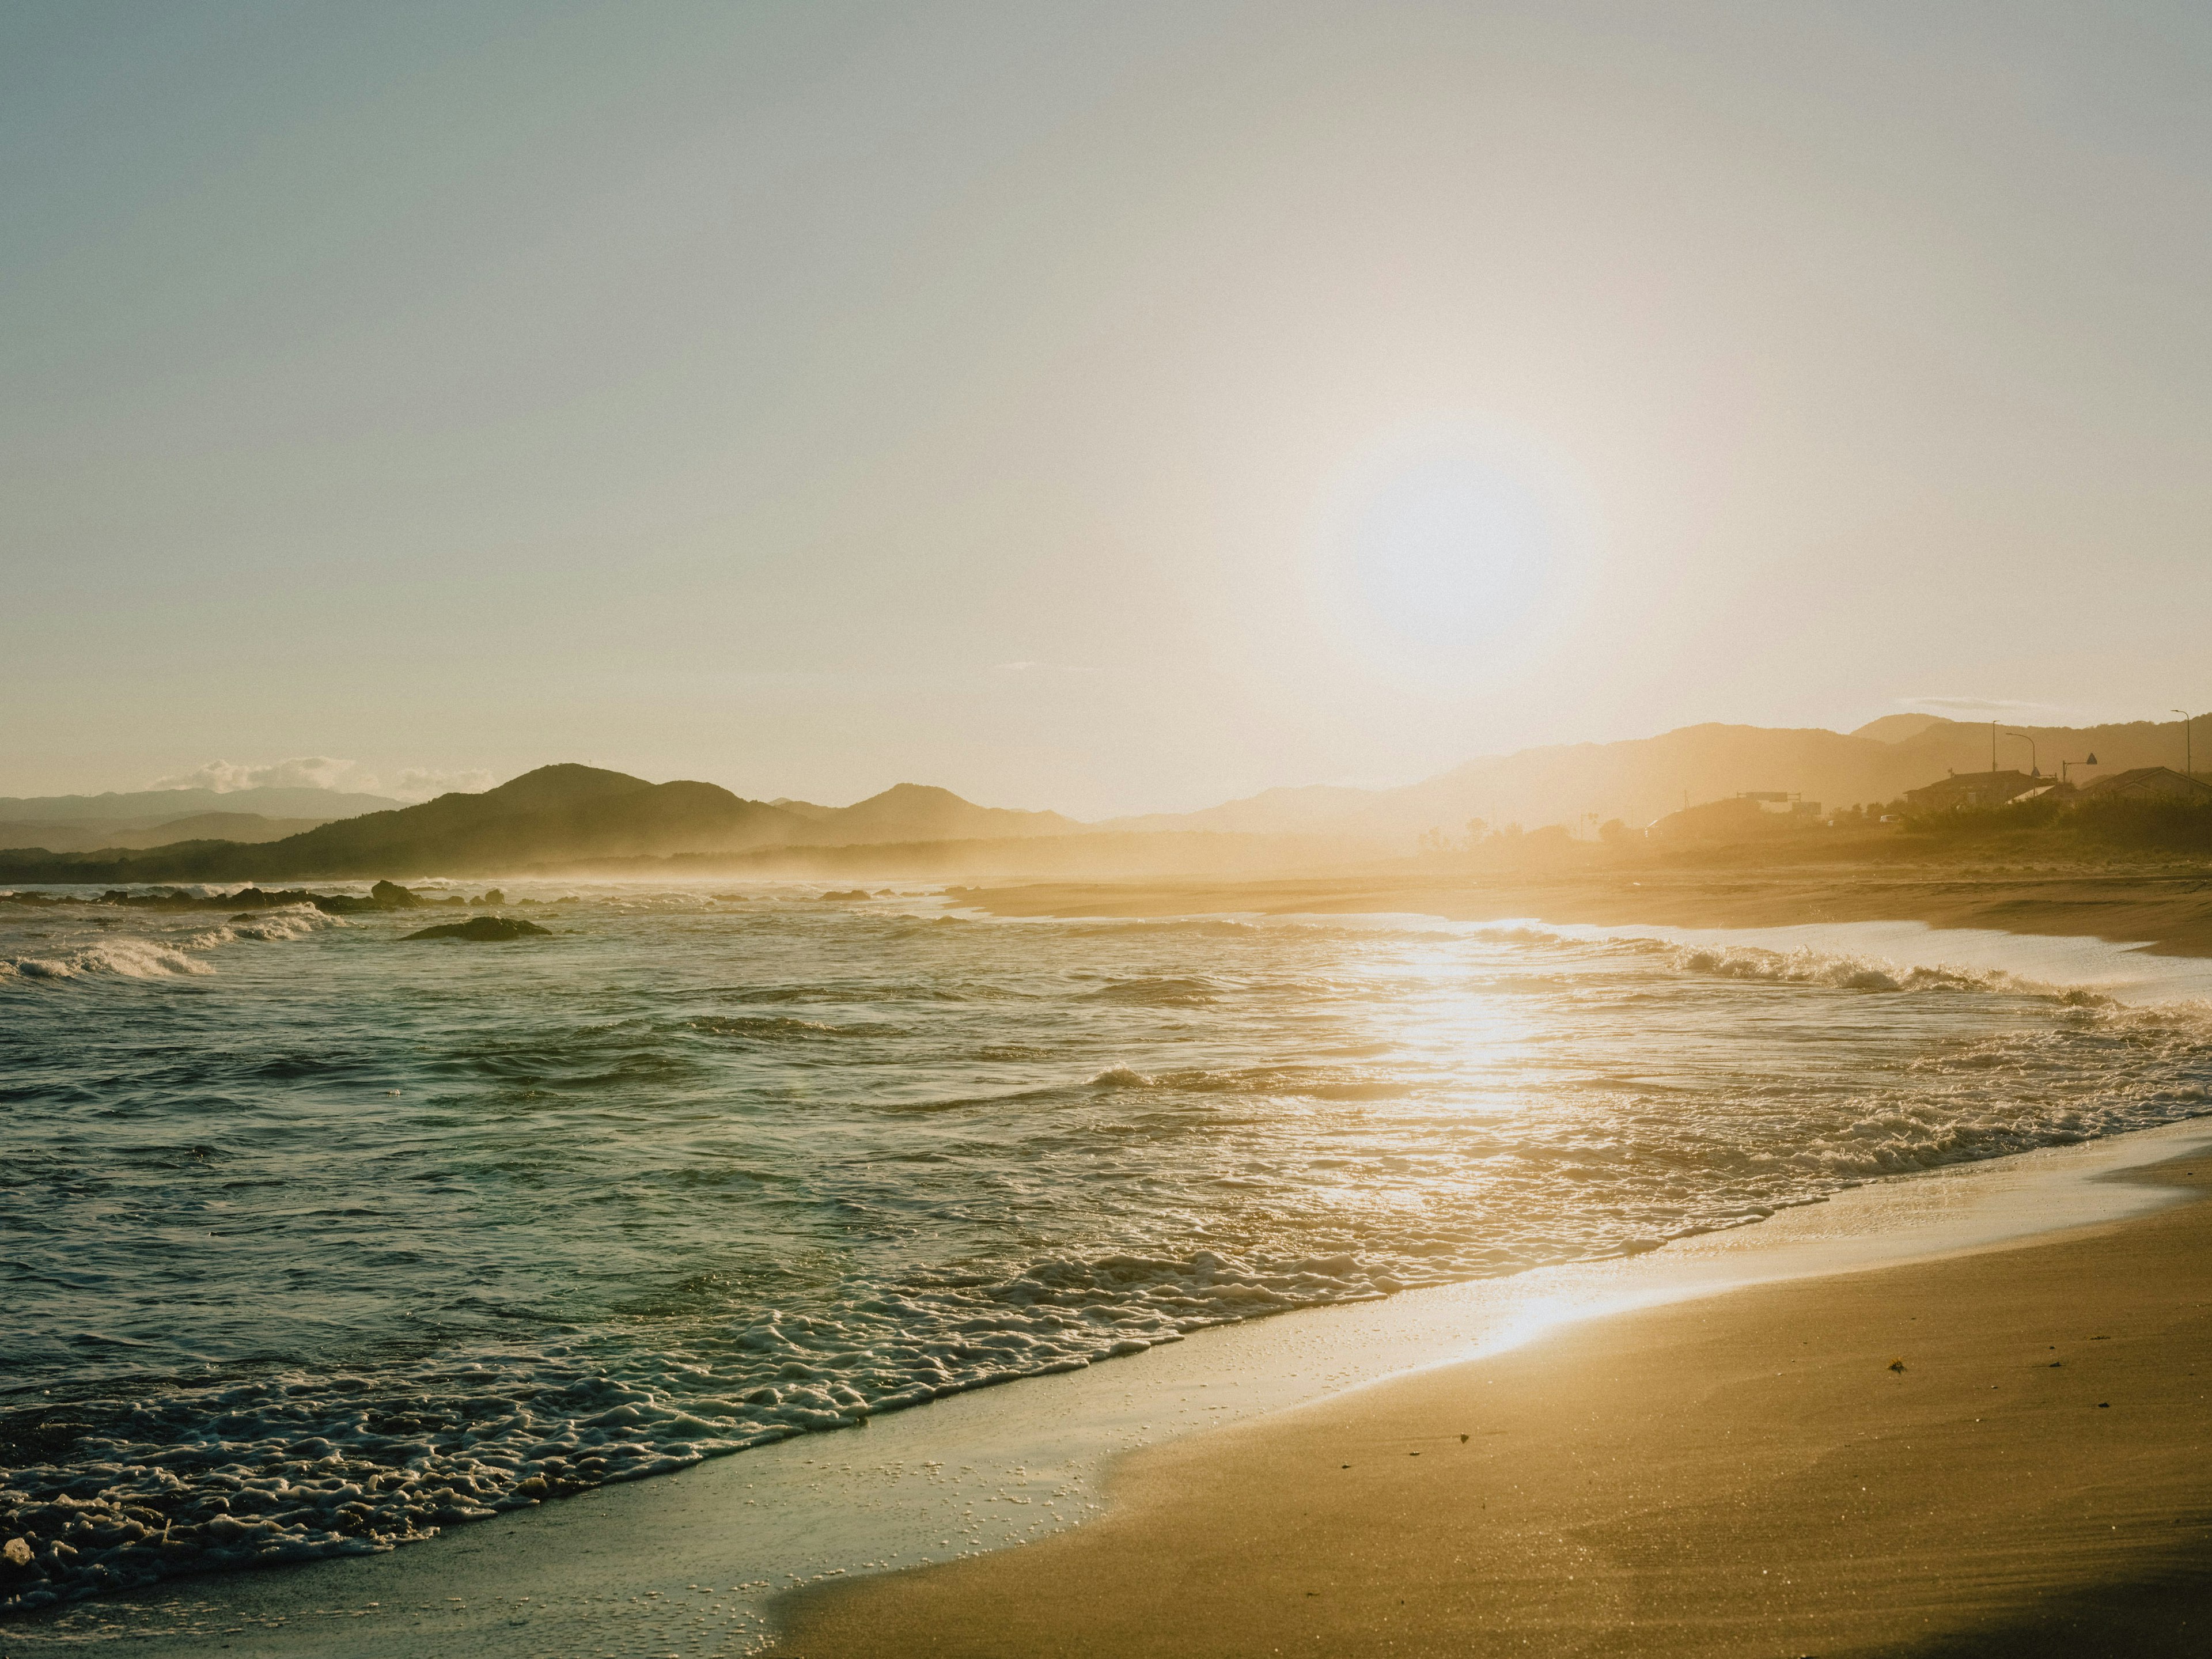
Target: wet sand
x=2170 y=908
x=1740 y=1475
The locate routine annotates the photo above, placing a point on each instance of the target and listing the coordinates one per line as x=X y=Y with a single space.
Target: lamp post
x=2034 y=769
x=2188 y=761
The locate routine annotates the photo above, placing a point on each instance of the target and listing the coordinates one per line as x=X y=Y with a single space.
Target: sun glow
x=1443 y=556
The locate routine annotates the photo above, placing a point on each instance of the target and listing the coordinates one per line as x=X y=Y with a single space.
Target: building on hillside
x=1781 y=803
x=1965 y=789
x=2147 y=783
x=1753 y=813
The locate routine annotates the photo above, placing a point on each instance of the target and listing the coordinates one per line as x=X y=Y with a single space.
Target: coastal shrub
x=2122 y=825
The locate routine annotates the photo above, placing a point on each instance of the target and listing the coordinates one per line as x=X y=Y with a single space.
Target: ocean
x=320 y=1242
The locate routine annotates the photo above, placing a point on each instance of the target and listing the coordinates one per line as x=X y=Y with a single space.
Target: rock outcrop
x=483 y=930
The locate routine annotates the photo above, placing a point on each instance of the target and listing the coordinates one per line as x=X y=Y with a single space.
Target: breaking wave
x=180 y=952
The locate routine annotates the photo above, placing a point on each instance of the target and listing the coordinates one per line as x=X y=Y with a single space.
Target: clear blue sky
x=1105 y=407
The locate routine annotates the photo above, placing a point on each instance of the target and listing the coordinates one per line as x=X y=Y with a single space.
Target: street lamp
x=2033 y=769
x=2188 y=761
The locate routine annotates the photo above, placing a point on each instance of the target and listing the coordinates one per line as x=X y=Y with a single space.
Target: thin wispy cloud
x=326 y=772
x=227 y=777
x=1987 y=708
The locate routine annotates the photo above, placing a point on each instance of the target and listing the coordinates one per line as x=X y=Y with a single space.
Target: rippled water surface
x=320 y=1241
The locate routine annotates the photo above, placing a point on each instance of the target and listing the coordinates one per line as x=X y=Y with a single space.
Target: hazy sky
x=1108 y=407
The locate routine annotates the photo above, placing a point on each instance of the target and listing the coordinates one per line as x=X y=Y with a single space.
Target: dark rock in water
x=492 y=895
x=483 y=929
x=854 y=893
x=392 y=894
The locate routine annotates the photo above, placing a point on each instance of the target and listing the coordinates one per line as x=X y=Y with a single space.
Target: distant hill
x=569 y=817
x=249 y=827
x=1641 y=779
x=915 y=811
x=60 y=837
x=153 y=806
x=564 y=816
x=554 y=815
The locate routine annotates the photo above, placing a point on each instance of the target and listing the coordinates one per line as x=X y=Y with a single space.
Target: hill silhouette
x=918 y=812
x=568 y=815
x=557 y=816
x=1642 y=779
x=152 y=806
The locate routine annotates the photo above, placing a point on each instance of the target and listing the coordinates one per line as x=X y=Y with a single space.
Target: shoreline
x=701 y=1560
x=2163 y=910
x=1747 y=1475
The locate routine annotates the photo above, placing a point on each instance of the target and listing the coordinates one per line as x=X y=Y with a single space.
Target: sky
x=1107 y=407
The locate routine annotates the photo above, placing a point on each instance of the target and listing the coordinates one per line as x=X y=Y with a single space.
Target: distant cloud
x=417 y=783
x=1994 y=707
x=1040 y=667
x=323 y=772
x=306 y=772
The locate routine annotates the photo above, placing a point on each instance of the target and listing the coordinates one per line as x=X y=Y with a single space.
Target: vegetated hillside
x=1640 y=779
x=250 y=827
x=2045 y=826
x=557 y=816
x=554 y=814
x=56 y=836
x=919 y=813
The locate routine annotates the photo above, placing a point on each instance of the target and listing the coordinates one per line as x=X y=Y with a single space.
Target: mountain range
x=1642 y=779
x=567 y=817
x=560 y=816
x=158 y=817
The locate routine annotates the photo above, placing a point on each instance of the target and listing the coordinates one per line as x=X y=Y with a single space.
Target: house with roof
x=1965 y=789
x=2148 y=783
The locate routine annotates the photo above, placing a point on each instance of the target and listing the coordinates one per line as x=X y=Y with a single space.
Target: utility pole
x=1993 y=748
x=2188 y=761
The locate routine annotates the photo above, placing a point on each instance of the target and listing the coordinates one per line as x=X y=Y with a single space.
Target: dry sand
x=1743 y=1475
x=2169 y=908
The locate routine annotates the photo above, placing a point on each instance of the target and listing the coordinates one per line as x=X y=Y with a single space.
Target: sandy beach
x=2169 y=908
x=1997 y=1453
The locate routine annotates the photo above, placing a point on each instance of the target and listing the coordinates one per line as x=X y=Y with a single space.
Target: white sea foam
x=130 y=958
x=177 y=950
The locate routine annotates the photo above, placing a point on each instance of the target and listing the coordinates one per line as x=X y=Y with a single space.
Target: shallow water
x=320 y=1241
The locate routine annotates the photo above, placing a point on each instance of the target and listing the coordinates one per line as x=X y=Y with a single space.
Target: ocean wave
x=174 y=956
x=297 y=1468
x=126 y=958
x=775 y=1029
x=1159 y=993
x=1853 y=973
